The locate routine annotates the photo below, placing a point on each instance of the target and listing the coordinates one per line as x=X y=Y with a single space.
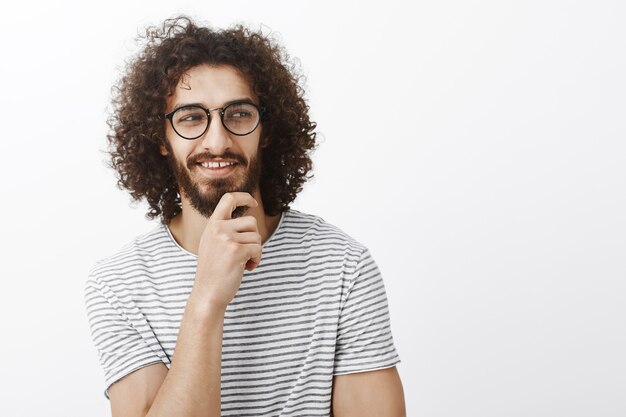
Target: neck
x=187 y=227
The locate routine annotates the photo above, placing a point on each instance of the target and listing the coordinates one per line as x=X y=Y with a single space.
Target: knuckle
x=253 y=222
x=218 y=229
x=232 y=247
x=228 y=197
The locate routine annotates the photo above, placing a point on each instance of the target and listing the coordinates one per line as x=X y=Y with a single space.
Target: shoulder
x=140 y=252
x=313 y=233
x=311 y=226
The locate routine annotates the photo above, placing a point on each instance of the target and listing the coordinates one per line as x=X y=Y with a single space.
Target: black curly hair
x=139 y=101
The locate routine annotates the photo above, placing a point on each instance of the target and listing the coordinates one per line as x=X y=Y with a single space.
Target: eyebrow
x=228 y=103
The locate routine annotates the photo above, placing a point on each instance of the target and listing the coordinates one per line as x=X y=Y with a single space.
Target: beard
x=205 y=193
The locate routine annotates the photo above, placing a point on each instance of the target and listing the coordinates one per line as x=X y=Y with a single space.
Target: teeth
x=216 y=164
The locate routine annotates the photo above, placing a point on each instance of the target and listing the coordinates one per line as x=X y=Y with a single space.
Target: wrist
x=204 y=307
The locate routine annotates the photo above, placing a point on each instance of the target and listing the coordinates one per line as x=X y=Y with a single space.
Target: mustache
x=193 y=160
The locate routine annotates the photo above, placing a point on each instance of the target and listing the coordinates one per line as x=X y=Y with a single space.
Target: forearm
x=192 y=385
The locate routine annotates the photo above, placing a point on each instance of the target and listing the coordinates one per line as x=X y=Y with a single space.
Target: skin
x=225 y=246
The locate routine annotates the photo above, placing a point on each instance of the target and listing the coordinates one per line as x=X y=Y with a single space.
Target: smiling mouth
x=217 y=169
x=216 y=165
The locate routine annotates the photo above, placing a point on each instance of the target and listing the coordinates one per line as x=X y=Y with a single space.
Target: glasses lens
x=241 y=118
x=190 y=122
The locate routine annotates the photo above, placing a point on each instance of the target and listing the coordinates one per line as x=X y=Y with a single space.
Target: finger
x=250 y=266
x=253 y=253
x=247 y=237
x=243 y=224
x=229 y=202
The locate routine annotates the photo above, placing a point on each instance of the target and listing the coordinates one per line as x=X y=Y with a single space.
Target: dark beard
x=205 y=196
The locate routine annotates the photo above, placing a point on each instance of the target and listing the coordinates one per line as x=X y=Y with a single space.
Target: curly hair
x=137 y=127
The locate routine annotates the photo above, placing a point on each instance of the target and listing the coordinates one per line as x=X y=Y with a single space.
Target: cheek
x=178 y=146
x=179 y=155
x=253 y=147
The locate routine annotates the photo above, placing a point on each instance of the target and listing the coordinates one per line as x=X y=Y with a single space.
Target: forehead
x=211 y=86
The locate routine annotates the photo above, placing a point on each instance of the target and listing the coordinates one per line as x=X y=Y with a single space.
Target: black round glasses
x=239 y=118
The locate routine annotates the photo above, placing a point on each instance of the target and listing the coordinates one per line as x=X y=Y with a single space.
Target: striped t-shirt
x=314 y=307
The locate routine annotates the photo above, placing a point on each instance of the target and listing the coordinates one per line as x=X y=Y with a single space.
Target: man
x=235 y=305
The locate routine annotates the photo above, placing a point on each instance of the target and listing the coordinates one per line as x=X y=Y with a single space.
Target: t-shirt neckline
x=175 y=243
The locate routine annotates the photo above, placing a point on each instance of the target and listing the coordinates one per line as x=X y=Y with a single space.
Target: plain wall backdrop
x=476 y=147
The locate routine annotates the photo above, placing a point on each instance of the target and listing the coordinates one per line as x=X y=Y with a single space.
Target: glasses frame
x=222 y=110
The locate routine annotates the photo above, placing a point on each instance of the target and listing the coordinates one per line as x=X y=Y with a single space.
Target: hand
x=227 y=247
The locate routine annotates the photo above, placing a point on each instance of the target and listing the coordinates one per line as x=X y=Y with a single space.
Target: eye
x=190 y=116
x=240 y=111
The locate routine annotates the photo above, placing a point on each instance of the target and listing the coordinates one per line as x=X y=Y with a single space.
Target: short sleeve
x=117 y=334
x=364 y=340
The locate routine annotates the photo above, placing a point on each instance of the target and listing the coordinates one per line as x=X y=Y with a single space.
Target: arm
x=192 y=385
x=368 y=394
x=364 y=342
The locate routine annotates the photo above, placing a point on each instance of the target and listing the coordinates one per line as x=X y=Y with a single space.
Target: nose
x=216 y=139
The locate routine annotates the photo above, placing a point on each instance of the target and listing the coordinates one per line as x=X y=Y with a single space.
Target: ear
x=265 y=142
x=163 y=150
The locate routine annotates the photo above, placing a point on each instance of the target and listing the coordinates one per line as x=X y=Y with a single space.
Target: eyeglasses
x=239 y=118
